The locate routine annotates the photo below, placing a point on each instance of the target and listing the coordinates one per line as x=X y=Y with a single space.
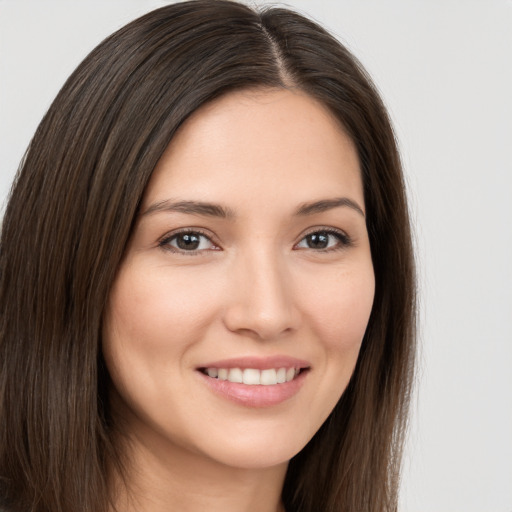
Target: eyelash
x=344 y=241
x=165 y=242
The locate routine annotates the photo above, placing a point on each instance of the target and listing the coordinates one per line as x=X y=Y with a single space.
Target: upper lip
x=258 y=363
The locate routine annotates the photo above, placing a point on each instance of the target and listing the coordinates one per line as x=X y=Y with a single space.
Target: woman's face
x=250 y=261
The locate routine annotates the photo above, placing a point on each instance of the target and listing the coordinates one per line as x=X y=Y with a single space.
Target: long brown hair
x=70 y=214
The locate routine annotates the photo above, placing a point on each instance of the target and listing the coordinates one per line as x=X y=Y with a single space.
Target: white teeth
x=252 y=376
x=235 y=375
x=268 y=377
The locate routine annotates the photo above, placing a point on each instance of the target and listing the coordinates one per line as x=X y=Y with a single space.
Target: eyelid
x=344 y=239
x=163 y=242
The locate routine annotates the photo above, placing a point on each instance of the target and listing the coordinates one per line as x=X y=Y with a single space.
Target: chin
x=258 y=444
x=259 y=455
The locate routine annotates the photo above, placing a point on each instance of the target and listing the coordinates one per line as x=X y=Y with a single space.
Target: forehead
x=265 y=143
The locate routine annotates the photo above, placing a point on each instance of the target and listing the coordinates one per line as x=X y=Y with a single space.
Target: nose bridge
x=262 y=301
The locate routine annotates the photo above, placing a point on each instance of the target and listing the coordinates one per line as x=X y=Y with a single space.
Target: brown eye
x=318 y=240
x=188 y=241
x=324 y=240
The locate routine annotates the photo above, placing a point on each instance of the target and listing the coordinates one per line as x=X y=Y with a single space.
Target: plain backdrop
x=444 y=68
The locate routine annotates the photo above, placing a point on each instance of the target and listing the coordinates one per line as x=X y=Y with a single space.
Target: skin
x=254 y=287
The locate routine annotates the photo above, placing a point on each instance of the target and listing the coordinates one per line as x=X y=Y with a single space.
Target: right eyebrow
x=190 y=207
x=329 y=204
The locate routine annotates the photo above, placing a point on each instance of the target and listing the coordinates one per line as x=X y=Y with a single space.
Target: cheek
x=340 y=307
x=153 y=307
x=153 y=319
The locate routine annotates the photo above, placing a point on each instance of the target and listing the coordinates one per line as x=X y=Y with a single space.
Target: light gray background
x=445 y=70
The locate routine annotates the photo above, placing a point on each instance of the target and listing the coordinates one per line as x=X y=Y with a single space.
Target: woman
x=207 y=280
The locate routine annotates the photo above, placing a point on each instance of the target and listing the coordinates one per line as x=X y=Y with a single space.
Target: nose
x=261 y=301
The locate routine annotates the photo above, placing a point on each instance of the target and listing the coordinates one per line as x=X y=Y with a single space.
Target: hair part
x=70 y=215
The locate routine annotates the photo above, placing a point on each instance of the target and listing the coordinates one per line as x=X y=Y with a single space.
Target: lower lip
x=255 y=395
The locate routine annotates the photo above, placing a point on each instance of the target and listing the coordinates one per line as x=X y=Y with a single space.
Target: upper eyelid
x=210 y=235
x=325 y=229
x=199 y=231
x=316 y=229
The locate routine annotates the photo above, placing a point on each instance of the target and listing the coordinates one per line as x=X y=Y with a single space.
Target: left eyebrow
x=328 y=204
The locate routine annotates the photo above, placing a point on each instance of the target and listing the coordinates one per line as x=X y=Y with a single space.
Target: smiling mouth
x=253 y=376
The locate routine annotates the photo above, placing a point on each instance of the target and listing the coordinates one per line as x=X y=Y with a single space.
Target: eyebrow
x=215 y=210
x=191 y=208
x=328 y=204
